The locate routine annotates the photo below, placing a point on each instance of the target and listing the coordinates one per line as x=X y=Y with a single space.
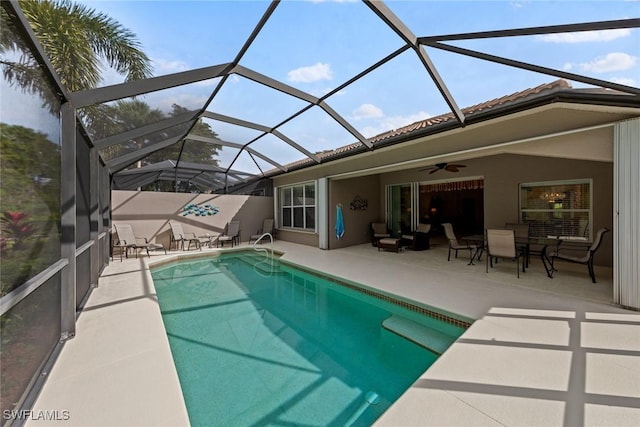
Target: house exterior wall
x=300 y=237
x=356 y=221
x=149 y=213
x=548 y=144
x=502 y=175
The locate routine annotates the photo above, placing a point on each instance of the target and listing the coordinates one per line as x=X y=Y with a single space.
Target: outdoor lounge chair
x=378 y=231
x=419 y=239
x=232 y=234
x=267 y=227
x=179 y=236
x=126 y=239
x=568 y=252
x=502 y=244
x=455 y=245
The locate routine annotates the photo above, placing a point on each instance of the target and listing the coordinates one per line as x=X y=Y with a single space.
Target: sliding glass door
x=460 y=202
x=400 y=208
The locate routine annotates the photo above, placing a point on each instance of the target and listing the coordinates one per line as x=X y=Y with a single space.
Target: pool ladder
x=266 y=253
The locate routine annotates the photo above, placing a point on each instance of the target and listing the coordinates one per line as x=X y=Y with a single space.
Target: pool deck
x=548 y=352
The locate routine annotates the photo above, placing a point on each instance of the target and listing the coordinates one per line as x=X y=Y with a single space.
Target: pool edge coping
x=398 y=300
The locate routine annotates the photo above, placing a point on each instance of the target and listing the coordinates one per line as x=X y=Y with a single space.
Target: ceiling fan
x=444 y=166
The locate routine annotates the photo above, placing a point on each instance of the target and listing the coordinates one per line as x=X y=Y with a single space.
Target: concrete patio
x=541 y=351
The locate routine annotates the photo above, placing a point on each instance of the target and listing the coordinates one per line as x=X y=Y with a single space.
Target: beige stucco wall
x=546 y=144
x=299 y=237
x=356 y=222
x=503 y=173
x=149 y=213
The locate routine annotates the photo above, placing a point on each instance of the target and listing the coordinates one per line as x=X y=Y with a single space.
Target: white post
x=626 y=214
x=322 y=209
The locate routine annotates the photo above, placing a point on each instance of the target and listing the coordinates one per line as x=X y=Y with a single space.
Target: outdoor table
x=475 y=239
x=545 y=242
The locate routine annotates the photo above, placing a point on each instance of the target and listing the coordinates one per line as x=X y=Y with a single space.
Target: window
x=298 y=206
x=558 y=208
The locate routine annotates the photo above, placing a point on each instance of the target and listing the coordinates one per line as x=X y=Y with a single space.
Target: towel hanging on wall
x=339 y=221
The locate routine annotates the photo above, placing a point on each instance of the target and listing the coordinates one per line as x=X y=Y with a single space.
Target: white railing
x=263 y=249
x=266 y=253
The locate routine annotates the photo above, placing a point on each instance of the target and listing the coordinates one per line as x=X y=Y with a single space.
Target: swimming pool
x=265 y=343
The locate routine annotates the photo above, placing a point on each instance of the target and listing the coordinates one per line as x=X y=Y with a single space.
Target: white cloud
x=390 y=123
x=167 y=67
x=312 y=73
x=366 y=111
x=615 y=61
x=586 y=36
x=383 y=123
x=109 y=76
x=162 y=67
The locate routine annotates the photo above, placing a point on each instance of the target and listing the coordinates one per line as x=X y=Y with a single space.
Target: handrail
x=260 y=238
x=266 y=252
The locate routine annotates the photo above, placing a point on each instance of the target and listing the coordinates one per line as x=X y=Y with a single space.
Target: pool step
x=419 y=334
x=261 y=265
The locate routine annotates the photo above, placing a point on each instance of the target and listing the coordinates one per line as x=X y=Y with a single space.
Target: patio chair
x=378 y=231
x=522 y=232
x=179 y=236
x=419 y=239
x=502 y=244
x=267 y=227
x=126 y=239
x=568 y=252
x=455 y=245
x=232 y=234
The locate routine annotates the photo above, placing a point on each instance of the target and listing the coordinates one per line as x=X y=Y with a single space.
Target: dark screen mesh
x=30 y=331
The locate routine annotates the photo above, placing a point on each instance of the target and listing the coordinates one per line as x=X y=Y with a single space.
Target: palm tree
x=77 y=39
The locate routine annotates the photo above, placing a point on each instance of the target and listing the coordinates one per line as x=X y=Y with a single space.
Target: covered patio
x=539 y=351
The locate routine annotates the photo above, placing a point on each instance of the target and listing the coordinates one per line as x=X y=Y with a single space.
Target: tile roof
x=513 y=98
x=483 y=106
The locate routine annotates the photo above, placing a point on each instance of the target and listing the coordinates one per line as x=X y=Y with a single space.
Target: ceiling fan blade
x=434 y=171
x=454 y=168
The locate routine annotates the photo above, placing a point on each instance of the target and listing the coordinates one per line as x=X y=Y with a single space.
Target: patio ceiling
x=280 y=124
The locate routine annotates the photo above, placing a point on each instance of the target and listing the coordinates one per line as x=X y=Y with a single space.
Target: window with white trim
x=298 y=206
x=558 y=208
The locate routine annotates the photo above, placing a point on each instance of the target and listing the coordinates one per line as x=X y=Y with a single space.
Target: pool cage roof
x=240 y=120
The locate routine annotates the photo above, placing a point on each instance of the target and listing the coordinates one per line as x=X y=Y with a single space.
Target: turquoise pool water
x=256 y=345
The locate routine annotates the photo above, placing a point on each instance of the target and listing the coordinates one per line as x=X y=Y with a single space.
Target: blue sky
x=315 y=46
